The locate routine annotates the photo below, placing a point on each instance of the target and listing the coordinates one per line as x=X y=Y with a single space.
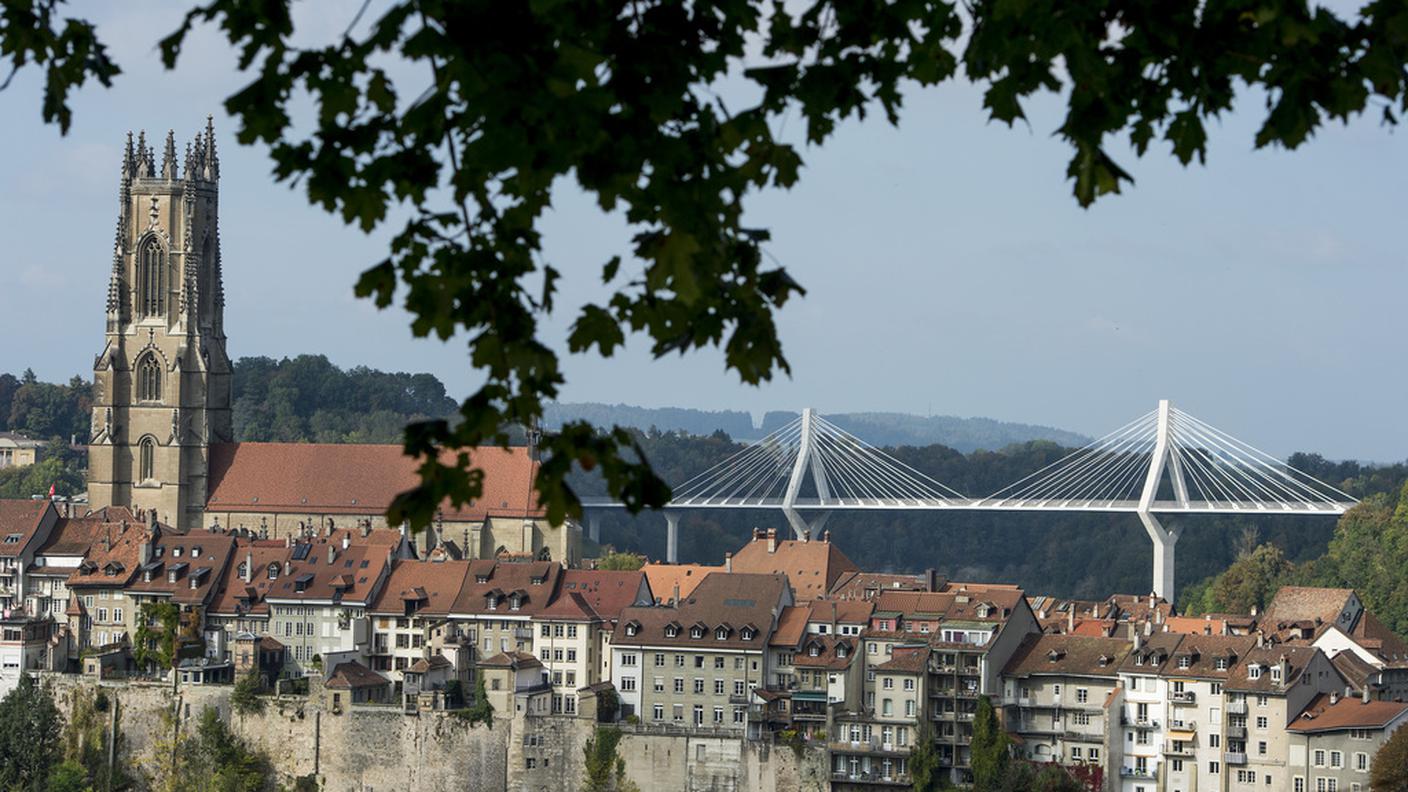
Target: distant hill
x=882 y=429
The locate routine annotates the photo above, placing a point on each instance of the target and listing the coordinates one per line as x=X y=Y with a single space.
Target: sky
x=948 y=269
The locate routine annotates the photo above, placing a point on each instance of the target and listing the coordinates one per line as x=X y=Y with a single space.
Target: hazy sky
x=948 y=268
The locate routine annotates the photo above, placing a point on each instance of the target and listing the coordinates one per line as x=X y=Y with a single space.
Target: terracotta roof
x=865 y=585
x=1204 y=651
x=833 y=652
x=235 y=596
x=1195 y=625
x=811 y=567
x=734 y=601
x=1296 y=657
x=355 y=479
x=431 y=586
x=73 y=535
x=1354 y=669
x=960 y=604
x=19 y=520
x=605 y=593
x=309 y=576
x=856 y=612
x=1294 y=603
x=1346 y=713
x=1071 y=655
x=535 y=581
x=1095 y=628
x=1153 y=654
x=791 y=626
x=664 y=577
x=113 y=558
x=352 y=675
x=514 y=660
x=423 y=665
x=198 y=558
x=907 y=660
x=1375 y=636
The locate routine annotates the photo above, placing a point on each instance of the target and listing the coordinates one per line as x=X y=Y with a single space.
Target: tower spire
x=212 y=160
x=168 y=159
x=129 y=162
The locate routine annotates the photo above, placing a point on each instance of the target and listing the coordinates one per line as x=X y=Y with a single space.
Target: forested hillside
x=879 y=428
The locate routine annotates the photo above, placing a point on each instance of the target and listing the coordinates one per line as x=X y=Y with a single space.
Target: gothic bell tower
x=162 y=381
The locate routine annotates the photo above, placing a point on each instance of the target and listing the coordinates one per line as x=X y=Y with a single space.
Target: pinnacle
x=168 y=160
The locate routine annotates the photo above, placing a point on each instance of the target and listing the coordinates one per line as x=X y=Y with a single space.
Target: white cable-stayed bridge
x=1162 y=464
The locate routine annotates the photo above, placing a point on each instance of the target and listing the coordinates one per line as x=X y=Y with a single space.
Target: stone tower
x=162 y=381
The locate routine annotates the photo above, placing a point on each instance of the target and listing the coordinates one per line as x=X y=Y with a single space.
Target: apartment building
x=318 y=600
x=1333 y=742
x=98 y=611
x=241 y=606
x=411 y=614
x=696 y=663
x=871 y=745
x=46 y=579
x=496 y=607
x=1147 y=736
x=571 y=629
x=25 y=525
x=812 y=567
x=17 y=450
x=185 y=570
x=1264 y=693
x=828 y=671
x=1060 y=699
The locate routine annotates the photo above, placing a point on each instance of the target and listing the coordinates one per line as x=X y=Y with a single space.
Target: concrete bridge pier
x=672 y=537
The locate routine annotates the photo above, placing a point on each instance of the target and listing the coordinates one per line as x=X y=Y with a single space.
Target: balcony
x=966 y=693
x=1141 y=724
x=1182 y=696
x=1178 y=748
x=870 y=777
x=1089 y=735
x=1236 y=732
x=964 y=716
x=1137 y=773
x=523 y=633
x=946 y=715
x=1182 y=726
x=737 y=699
x=1237 y=707
x=871 y=746
x=1234 y=759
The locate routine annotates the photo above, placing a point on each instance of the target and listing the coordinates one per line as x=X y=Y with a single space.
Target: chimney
x=1364 y=696
x=248 y=567
x=144 y=553
x=757 y=533
x=1071 y=620
x=1254 y=611
x=1334 y=697
x=332 y=554
x=826 y=536
x=728 y=562
x=931 y=580
x=346 y=539
x=1260 y=639
x=675 y=599
x=772 y=540
x=1138 y=641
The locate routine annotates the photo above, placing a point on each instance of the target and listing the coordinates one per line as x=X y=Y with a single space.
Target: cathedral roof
x=355 y=479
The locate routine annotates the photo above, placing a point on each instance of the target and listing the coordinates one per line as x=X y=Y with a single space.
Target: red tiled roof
x=237 y=597
x=791 y=626
x=811 y=567
x=664 y=577
x=506 y=578
x=1068 y=654
x=433 y=585
x=362 y=564
x=1295 y=603
x=353 y=675
x=828 y=652
x=603 y=594
x=863 y=585
x=737 y=600
x=117 y=550
x=1346 y=713
x=355 y=479
x=72 y=536
x=907 y=660
x=19 y=519
x=200 y=556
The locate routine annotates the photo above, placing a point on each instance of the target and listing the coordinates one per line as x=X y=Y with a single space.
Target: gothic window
x=146 y=459
x=151 y=279
x=149 y=378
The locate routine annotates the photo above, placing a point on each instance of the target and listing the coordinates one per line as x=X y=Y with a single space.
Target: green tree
x=924 y=761
x=989 y=748
x=68 y=776
x=1250 y=582
x=86 y=739
x=1369 y=552
x=157 y=641
x=480 y=710
x=620 y=561
x=245 y=699
x=602 y=769
x=30 y=727
x=621 y=98
x=1390 y=772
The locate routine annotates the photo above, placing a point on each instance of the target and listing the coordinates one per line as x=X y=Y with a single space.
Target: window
x=1246 y=776
x=1214 y=768
x=1298 y=784
x=738 y=687
x=1253 y=671
x=1361 y=762
x=659 y=660
x=151 y=279
x=148 y=379
x=718 y=687
x=628 y=659
x=679 y=684
x=1320 y=758
x=628 y=683
x=1261 y=748
x=1082 y=695
x=146 y=459
x=888 y=683
x=659 y=687
x=1336 y=759
x=1261 y=721
x=718 y=662
x=1177 y=763
x=698 y=685
x=1094 y=754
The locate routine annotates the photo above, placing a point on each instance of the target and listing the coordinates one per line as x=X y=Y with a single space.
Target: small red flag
x=51 y=490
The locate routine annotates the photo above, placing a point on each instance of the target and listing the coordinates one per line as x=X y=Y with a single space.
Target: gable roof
x=352 y=675
x=1346 y=713
x=356 y=479
x=1297 y=603
x=349 y=578
x=812 y=567
x=791 y=626
x=738 y=600
x=113 y=558
x=503 y=578
x=1073 y=655
x=199 y=557
x=663 y=577
x=72 y=536
x=1297 y=659
x=867 y=585
x=597 y=594
x=433 y=585
x=19 y=521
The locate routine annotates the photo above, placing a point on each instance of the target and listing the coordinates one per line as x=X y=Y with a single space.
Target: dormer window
x=514 y=602
x=539 y=580
x=632 y=628
x=1253 y=671
x=1139 y=659
x=813 y=650
x=1221 y=664
x=746 y=634
x=721 y=634
x=176 y=552
x=1275 y=673
x=491 y=602
x=696 y=632
x=671 y=631
x=195 y=551
x=481 y=578
x=273 y=571
x=244 y=569
x=840 y=650
x=1185 y=661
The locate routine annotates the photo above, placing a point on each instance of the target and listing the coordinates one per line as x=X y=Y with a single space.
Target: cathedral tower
x=162 y=381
